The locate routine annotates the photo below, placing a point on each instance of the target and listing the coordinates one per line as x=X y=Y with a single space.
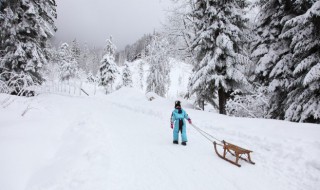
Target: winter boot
x=184 y=143
x=175 y=142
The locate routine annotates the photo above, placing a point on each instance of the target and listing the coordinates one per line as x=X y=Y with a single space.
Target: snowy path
x=124 y=142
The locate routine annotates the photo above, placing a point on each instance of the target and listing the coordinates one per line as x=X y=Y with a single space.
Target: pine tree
x=271 y=53
x=267 y=49
x=68 y=64
x=108 y=68
x=91 y=78
x=303 y=31
x=76 y=50
x=26 y=27
x=219 y=47
x=95 y=60
x=158 y=80
x=110 y=48
x=86 y=58
x=51 y=71
x=126 y=76
x=141 y=73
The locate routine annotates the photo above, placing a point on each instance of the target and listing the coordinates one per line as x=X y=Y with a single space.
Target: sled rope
x=206 y=134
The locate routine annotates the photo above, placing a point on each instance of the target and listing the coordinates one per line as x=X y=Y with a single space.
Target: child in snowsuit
x=178 y=123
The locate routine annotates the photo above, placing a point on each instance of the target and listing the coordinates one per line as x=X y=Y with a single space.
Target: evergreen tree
x=126 y=76
x=158 y=80
x=86 y=58
x=51 y=71
x=68 y=64
x=135 y=51
x=271 y=54
x=76 y=50
x=108 y=68
x=110 y=49
x=141 y=73
x=219 y=47
x=26 y=27
x=267 y=49
x=95 y=60
x=91 y=78
x=303 y=31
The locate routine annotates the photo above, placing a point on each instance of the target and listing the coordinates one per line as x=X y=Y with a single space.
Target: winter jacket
x=178 y=119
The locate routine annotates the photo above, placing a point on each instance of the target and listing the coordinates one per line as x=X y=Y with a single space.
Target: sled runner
x=235 y=151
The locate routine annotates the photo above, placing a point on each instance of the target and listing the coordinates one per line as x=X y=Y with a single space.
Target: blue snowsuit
x=178 y=119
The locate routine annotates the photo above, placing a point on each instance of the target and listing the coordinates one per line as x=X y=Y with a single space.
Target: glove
x=171 y=125
x=189 y=120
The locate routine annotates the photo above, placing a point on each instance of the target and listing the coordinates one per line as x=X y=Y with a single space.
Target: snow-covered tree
x=68 y=64
x=51 y=71
x=26 y=27
x=95 y=57
x=108 y=71
x=179 y=31
x=254 y=104
x=91 y=78
x=86 y=58
x=219 y=47
x=127 y=76
x=108 y=68
x=274 y=53
x=158 y=80
x=271 y=54
x=135 y=51
x=141 y=73
x=76 y=50
x=267 y=49
x=303 y=31
x=110 y=49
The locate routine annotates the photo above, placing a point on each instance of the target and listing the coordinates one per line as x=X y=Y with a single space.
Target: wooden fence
x=71 y=88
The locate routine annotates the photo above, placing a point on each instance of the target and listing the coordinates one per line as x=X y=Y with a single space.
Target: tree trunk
x=222 y=100
x=202 y=104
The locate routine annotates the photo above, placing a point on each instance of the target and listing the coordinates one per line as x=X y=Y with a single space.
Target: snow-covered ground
x=123 y=141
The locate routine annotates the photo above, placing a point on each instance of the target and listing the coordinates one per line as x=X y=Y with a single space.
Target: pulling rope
x=206 y=135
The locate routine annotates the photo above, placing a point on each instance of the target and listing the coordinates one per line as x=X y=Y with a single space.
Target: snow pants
x=178 y=128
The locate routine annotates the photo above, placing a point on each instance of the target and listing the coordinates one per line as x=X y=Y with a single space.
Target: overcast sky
x=93 y=21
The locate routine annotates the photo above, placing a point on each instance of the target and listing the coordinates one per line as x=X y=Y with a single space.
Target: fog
x=93 y=21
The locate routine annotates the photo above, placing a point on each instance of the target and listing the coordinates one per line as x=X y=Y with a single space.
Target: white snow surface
x=123 y=141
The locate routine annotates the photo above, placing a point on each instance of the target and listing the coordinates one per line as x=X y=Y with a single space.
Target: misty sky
x=93 y=21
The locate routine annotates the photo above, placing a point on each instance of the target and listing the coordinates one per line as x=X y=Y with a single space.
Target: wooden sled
x=234 y=150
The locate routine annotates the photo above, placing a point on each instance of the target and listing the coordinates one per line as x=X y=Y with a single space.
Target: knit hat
x=177 y=104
